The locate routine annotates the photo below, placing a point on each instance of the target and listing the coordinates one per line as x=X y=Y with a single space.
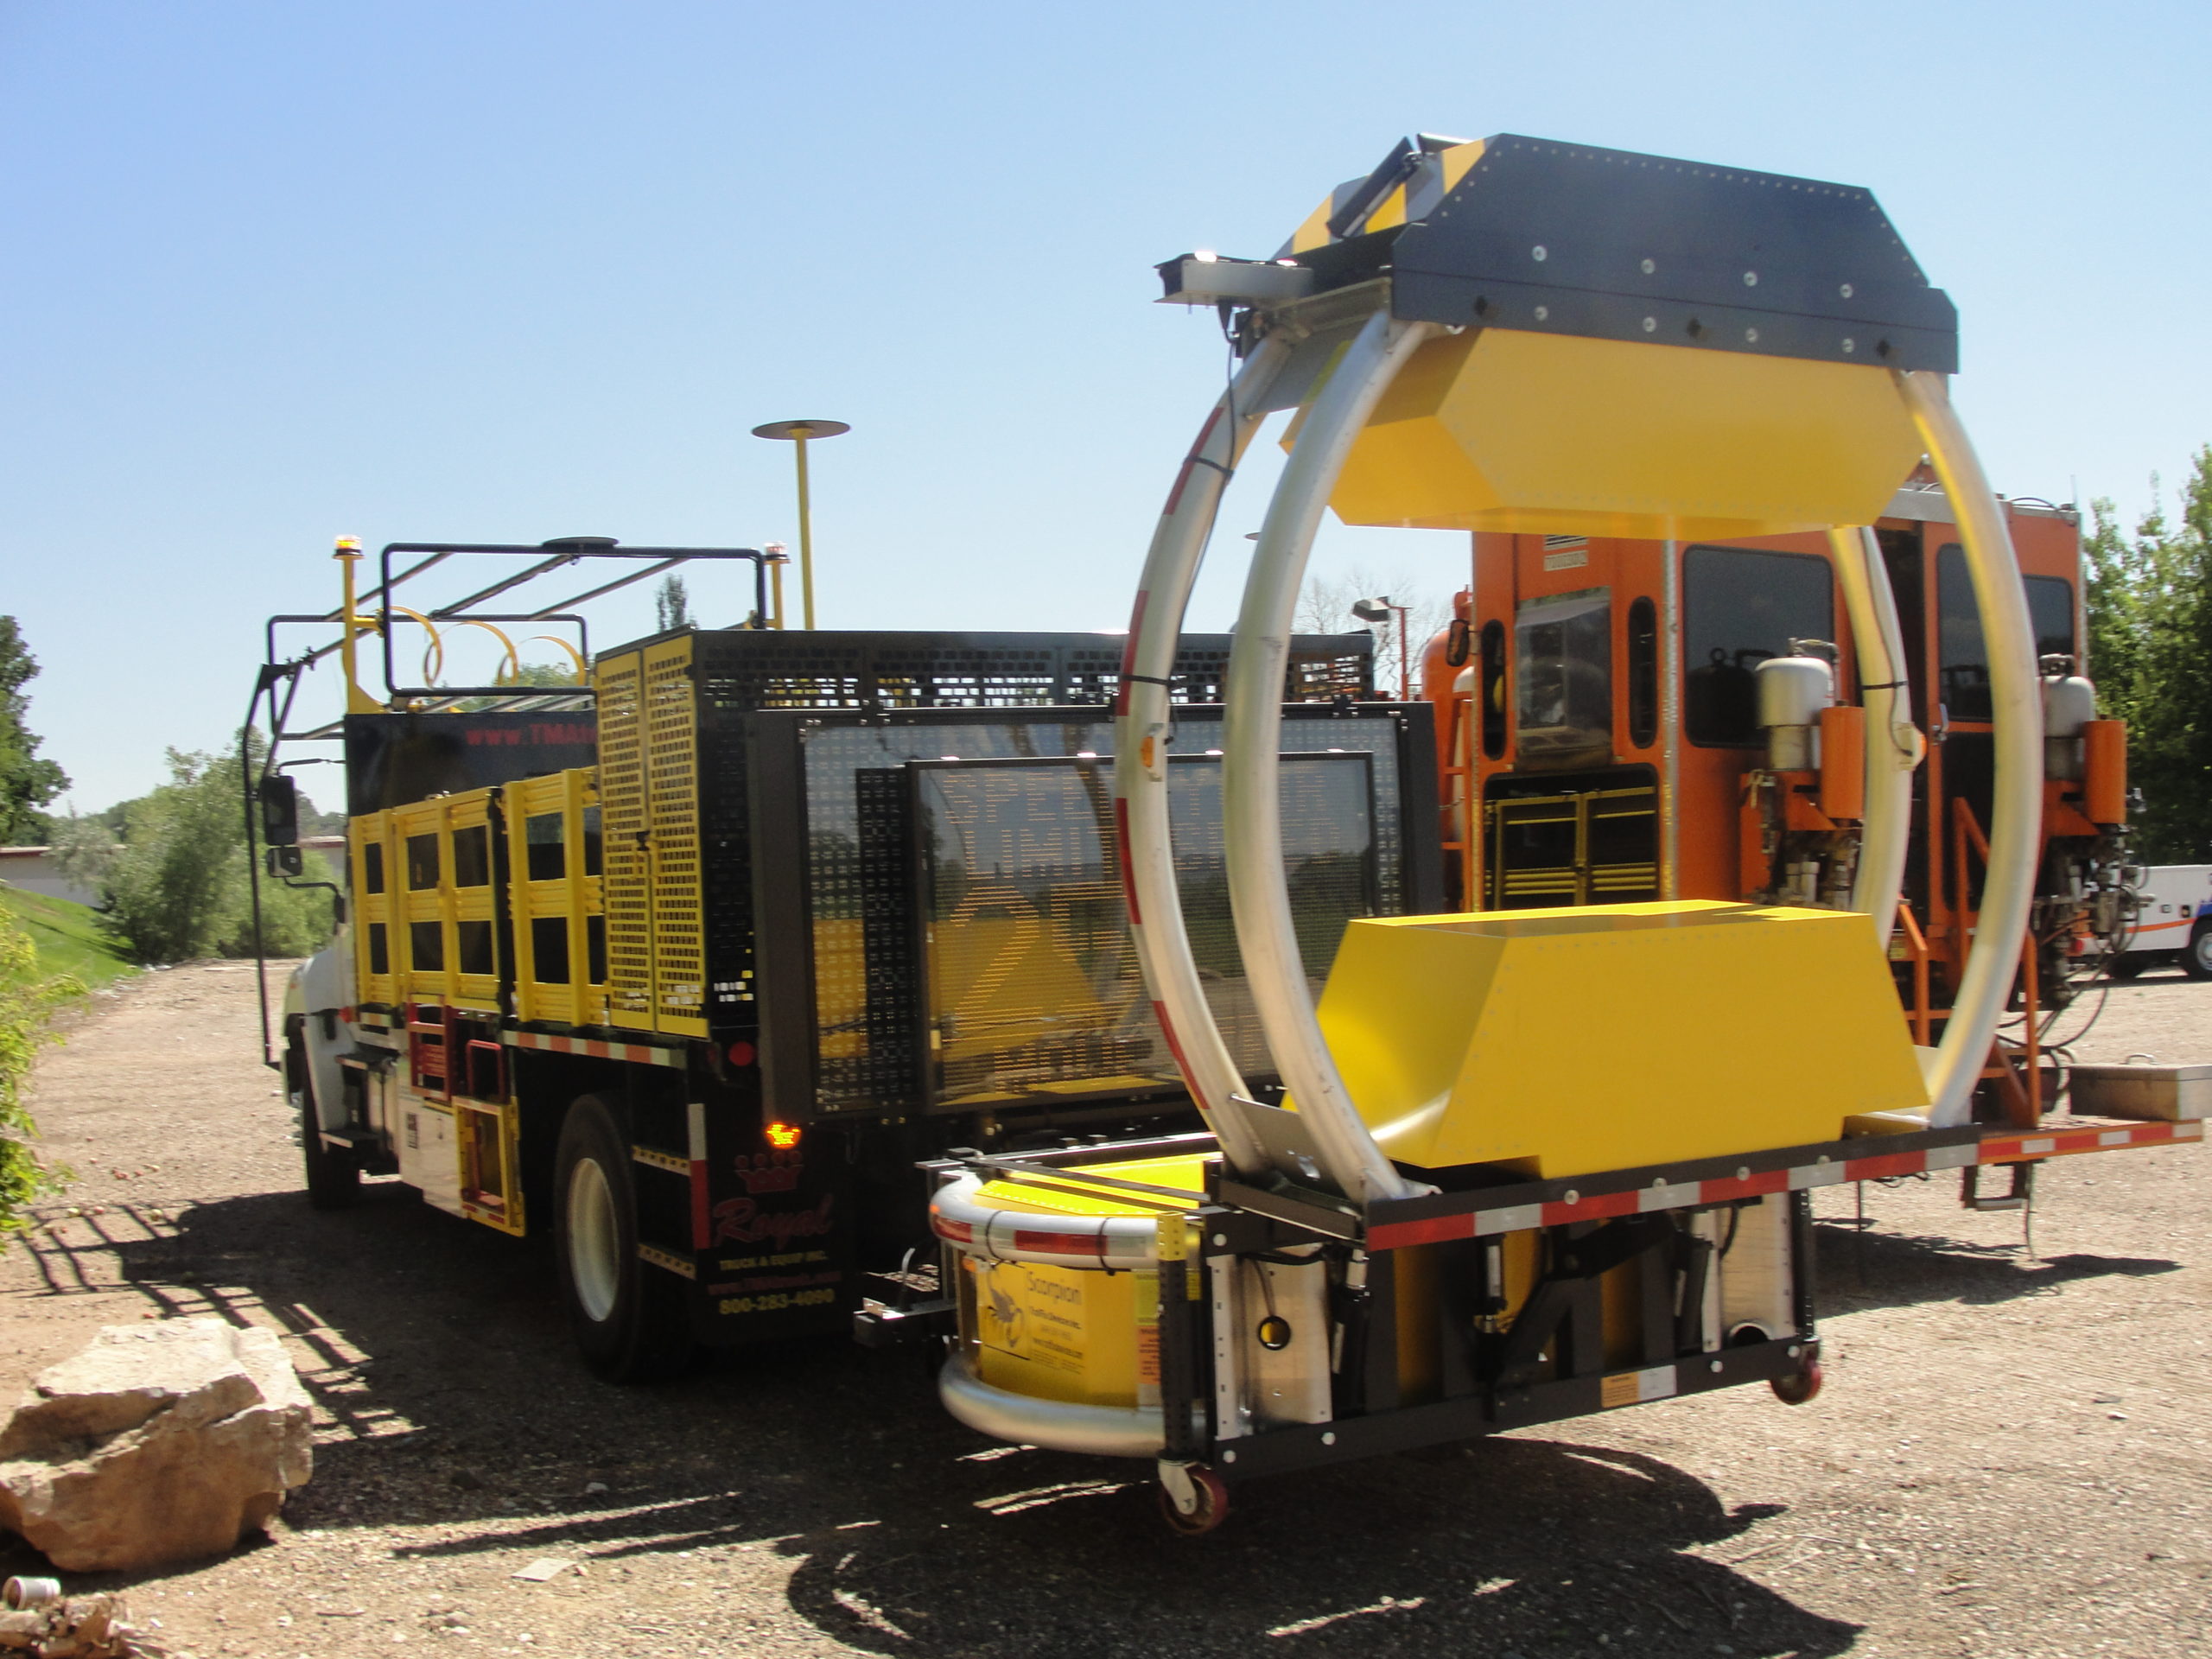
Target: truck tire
x=2197 y=961
x=629 y=1318
x=333 y=1173
x=2128 y=964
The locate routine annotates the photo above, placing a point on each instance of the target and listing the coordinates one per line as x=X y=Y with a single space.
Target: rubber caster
x=1210 y=1503
x=1799 y=1387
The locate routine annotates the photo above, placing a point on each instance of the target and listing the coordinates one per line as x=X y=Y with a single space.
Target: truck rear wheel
x=2128 y=964
x=333 y=1173
x=629 y=1318
x=2197 y=961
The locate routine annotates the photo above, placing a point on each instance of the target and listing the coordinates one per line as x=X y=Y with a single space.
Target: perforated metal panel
x=858 y=880
x=624 y=819
x=736 y=673
x=679 y=972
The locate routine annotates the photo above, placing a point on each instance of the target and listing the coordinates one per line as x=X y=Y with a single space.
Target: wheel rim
x=593 y=1268
x=2202 y=947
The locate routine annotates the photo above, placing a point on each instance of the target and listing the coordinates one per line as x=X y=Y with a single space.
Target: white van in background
x=2173 y=922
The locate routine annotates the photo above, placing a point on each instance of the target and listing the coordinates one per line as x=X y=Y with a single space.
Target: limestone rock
x=159 y=1443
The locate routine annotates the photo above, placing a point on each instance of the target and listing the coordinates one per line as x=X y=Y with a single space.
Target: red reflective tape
x=702 y=1212
x=957 y=1232
x=1060 y=1244
x=1190 y=461
x=1175 y=1047
x=1128 y=864
x=1750 y=1187
x=1877 y=1169
x=1129 y=654
x=1430 y=1229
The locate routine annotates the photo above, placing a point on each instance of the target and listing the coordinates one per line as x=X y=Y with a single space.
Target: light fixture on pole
x=1378 y=610
x=799 y=433
x=778 y=558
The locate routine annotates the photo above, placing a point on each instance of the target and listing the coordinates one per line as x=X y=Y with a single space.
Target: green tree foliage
x=2149 y=608
x=27 y=783
x=27 y=996
x=672 y=605
x=176 y=882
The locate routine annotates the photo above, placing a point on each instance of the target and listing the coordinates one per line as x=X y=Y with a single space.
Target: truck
x=1206 y=1060
x=2169 y=921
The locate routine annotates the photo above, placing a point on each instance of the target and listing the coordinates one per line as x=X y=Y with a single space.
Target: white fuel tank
x=2069 y=703
x=1792 y=691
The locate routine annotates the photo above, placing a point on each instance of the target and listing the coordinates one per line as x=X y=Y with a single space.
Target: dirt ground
x=2012 y=1456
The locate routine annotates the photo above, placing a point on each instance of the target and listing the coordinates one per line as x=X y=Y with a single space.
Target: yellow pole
x=806 y=535
x=357 y=701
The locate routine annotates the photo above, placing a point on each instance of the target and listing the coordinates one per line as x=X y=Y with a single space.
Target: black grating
x=739 y=672
x=857 y=889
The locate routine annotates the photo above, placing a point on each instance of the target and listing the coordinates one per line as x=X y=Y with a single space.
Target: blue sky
x=270 y=273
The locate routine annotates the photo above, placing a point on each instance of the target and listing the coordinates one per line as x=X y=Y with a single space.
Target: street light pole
x=798 y=434
x=1378 y=610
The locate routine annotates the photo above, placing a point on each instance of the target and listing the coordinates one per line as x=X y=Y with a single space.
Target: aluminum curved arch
x=1251 y=762
x=1141 y=729
x=1893 y=745
x=2017 y=795
x=1063 y=1425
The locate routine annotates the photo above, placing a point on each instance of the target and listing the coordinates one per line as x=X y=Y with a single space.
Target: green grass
x=67 y=937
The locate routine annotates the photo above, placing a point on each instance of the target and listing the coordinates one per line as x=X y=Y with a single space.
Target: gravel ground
x=2011 y=1457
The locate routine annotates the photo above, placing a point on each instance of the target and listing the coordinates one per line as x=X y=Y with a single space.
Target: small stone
x=466 y=1481
x=594 y=1487
x=2117 y=1416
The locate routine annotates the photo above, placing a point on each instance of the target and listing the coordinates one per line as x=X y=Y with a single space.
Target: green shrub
x=2150 y=605
x=176 y=885
x=27 y=996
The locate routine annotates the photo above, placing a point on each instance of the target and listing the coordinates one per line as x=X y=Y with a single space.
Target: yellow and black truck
x=1255 y=1132
x=691 y=964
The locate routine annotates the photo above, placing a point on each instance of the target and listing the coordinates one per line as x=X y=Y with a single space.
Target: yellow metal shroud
x=1500 y=429
x=1615 y=1036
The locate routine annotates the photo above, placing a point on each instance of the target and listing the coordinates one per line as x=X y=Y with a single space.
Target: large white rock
x=159 y=1443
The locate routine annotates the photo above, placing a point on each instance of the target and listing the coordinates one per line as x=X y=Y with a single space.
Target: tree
x=672 y=605
x=1325 y=607
x=27 y=783
x=175 y=884
x=2149 y=611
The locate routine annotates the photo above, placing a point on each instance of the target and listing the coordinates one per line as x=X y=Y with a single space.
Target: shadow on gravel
x=1529 y=1547
x=455 y=1404
x=1872 y=1268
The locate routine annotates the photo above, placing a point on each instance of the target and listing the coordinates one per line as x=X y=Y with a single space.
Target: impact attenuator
x=1639 y=347
x=1606 y=1037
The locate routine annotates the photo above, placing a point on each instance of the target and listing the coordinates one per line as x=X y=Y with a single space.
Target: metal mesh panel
x=738 y=671
x=672 y=807
x=870 y=976
x=622 y=805
x=774 y=669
